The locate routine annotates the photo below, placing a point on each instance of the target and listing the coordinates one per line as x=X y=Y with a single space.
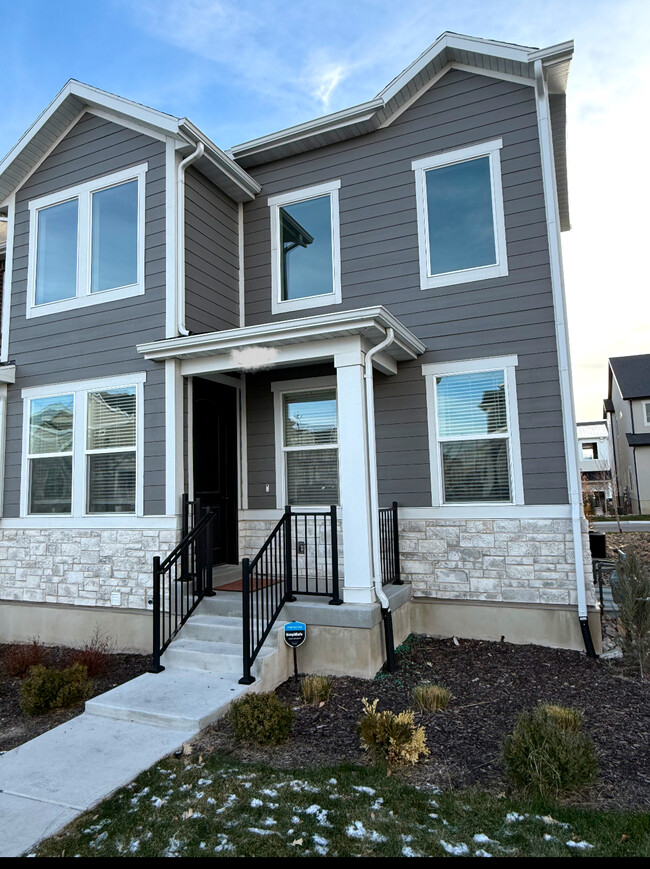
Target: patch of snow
x=459 y=850
x=157 y=802
x=184 y=788
x=212 y=801
x=270 y=792
x=320 y=814
x=204 y=781
x=273 y=805
x=224 y=844
x=256 y=804
x=174 y=847
x=270 y=822
x=134 y=844
x=232 y=799
x=549 y=838
x=582 y=846
x=198 y=795
x=409 y=852
x=378 y=803
x=364 y=790
x=482 y=853
x=332 y=781
x=511 y=817
x=433 y=815
x=261 y=832
x=356 y=830
x=295 y=819
x=482 y=839
x=321 y=845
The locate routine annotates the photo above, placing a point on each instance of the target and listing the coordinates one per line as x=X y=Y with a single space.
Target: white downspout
x=372 y=467
x=180 y=237
x=564 y=359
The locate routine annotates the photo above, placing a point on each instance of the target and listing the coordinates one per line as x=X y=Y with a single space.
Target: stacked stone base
x=81 y=566
x=508 y=560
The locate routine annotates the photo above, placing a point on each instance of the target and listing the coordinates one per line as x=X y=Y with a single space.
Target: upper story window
x=306 y=426
x=646 y=412
x=461 y=227
x=82 y=448
x=589 y=450
x=474 y=446
x=305 y=248
x=87 y=243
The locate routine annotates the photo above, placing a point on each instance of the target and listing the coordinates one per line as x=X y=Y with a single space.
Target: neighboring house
x=628 y=407
x=595 y=470
x=182 y=319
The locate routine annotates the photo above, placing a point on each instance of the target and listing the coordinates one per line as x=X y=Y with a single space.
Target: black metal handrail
x=300 y=556
x=389 y=545
x=180 y=582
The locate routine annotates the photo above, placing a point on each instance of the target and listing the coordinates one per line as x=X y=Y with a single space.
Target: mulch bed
x=491 y=684
x=639 y=539
x=16 y=728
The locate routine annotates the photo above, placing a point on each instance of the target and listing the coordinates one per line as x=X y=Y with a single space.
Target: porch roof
x=286 y=342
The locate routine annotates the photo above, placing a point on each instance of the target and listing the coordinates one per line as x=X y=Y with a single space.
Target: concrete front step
x=213 y=628
x=185 y=654
x=185 y=700
x=224 y=603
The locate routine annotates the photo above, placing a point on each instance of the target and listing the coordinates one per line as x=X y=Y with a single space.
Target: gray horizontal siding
x=212 y=257
x=379 y=265
x=99 y=340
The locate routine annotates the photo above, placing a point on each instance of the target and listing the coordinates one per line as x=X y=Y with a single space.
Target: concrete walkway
x=47 y=782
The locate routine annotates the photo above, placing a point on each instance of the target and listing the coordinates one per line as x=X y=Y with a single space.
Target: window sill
x=306 y=303
x=449 y=279
x=84 y=301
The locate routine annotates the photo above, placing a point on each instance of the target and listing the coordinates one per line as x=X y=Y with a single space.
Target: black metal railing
x=389 y=545
x=300 y=556
x=180 y=582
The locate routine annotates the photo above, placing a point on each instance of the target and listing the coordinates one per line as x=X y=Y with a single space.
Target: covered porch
x=229 y=398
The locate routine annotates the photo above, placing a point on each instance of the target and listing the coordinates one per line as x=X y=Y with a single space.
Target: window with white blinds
x=82 y=449
x=110 y=450
x=473 y=437
x=310 y=447
x=49 y=459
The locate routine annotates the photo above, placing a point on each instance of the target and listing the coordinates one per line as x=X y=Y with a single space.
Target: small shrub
x=316 y=690
x=391 y=738
x=20 y=657
x=633 y=601
x=430 y=697
x=547 y=754
x=261 y=718
x=45 y=688
x=95 y=655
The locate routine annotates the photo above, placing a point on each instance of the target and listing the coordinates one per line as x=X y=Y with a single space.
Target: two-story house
x=362 y=309
x=595 y=468
x=628 y=407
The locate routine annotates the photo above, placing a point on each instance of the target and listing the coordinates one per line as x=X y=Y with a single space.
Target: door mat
x=255 y=584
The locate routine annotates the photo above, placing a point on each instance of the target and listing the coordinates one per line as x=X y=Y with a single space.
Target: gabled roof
x=592 y=430
x=75 y=97
x=449 y=51
x=632 y=374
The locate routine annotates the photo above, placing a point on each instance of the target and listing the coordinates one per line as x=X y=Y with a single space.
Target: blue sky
x=242 y=69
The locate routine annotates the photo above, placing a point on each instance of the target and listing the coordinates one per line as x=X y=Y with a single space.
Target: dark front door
x=215 y=461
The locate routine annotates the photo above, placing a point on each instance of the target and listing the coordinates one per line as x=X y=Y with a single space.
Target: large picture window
x=305 y=248
x=87 y=244
x=460 y=216
x=307 y=428
x=473 y=430
x=83 y=448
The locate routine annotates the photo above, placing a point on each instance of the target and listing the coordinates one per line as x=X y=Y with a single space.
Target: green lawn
x=212 y=805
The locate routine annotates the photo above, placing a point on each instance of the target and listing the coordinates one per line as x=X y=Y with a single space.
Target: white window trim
x=461 y=155
x=279 y=389
x=646 y=413
x=507 y=364
x=79 y=389
x=279 y=305
x=83 y=193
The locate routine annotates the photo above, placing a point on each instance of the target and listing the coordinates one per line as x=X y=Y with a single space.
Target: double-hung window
x=474 y=446
x=83 y=444
x=646 y=412
x=87 y=243
x=305 y=248
x=461 y=229
x=306 y=427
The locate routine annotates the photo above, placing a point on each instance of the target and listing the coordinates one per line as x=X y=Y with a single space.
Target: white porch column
x=353 y=476
x=174 y=470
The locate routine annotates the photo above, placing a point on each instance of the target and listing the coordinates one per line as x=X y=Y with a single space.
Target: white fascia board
x=354 y=115
x=223 y=162
x=471 y=44
x=7 y=373
x=285 y=331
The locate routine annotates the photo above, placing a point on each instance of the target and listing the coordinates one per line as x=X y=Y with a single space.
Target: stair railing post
x=397 y=579
x=208 y=590
x=155 y=664
x=336 y=594
x=288 y=561
x=246 y=679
